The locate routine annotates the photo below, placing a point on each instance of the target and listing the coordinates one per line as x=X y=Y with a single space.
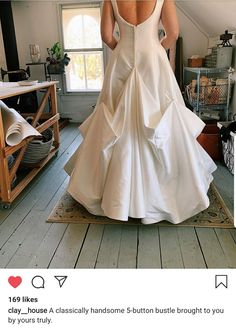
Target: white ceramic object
x=35 y=53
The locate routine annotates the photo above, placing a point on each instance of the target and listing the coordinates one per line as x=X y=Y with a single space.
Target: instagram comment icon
x=38 y=282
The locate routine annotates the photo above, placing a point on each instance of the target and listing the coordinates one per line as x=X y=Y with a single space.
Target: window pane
x=94 y=70
x=85 y=71
x=81 y=28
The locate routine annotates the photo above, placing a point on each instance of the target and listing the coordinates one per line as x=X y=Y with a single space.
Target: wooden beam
x=4 y=172
x=56 y=132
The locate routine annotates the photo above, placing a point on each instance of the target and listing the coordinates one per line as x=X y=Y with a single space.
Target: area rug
x=216 y=215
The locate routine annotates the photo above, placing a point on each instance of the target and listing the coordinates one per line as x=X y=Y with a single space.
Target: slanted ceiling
x=212 y=17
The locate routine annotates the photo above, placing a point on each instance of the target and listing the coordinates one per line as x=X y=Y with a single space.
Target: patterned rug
x=67 y=210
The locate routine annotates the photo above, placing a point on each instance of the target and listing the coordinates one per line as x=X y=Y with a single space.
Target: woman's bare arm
x=170 y=23
x=107 y=24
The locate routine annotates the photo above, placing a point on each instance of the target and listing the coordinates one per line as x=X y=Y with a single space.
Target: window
x=83 y=44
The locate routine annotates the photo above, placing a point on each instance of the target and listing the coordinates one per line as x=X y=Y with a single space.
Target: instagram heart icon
x=14 y=281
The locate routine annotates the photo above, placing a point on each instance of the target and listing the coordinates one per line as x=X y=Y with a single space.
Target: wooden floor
x=27 y=241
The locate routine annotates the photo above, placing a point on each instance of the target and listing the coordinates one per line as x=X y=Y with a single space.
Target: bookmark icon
x=221 y=280
x=61 y=280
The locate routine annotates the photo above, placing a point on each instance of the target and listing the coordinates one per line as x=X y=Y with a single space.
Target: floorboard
x=89 y=253
x=191 y=252
x=110 y=246
x=149 y=255
x=69 y=247
x=211 y=247
x=228 y=246
x=224 y=181
x=233 y=234
x=128 y=247
x=47 y=248
x=171 y=255
x=33 y=238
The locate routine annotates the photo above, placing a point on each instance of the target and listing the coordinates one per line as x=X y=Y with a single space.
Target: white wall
x=38 y=22
x=35 y=22
x=195 y=41
x=212 y=16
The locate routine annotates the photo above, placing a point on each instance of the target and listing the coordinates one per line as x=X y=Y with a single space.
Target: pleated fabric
x=139 y=156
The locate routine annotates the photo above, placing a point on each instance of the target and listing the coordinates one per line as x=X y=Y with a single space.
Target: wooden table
x=8 y=192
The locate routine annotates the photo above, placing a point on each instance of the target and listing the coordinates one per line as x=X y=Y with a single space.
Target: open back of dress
x=140 y=157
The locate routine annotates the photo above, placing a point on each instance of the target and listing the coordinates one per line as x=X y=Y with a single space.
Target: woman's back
x=136 y=11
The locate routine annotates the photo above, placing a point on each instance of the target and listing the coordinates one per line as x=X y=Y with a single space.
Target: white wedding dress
x=139 y=157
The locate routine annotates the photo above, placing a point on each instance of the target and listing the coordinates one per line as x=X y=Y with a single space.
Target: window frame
x=95 y=4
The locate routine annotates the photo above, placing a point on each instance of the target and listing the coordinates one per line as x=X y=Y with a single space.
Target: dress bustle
x=139 y=157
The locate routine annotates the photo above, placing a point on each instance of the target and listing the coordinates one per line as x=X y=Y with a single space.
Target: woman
x=140 y=157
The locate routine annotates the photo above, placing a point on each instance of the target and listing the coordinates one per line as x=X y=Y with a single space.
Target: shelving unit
x=210 y=99
x=41 y=121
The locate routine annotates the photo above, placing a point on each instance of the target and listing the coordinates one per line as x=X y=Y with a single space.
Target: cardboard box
x=210 y=140
x=195 y=62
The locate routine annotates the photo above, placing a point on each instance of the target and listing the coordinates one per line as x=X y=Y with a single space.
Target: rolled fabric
x=16 y=128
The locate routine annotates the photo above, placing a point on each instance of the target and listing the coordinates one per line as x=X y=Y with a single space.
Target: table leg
x=54 y=112
x=4 y=170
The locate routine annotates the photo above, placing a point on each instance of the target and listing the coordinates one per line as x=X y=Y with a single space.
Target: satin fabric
x=139 y=156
